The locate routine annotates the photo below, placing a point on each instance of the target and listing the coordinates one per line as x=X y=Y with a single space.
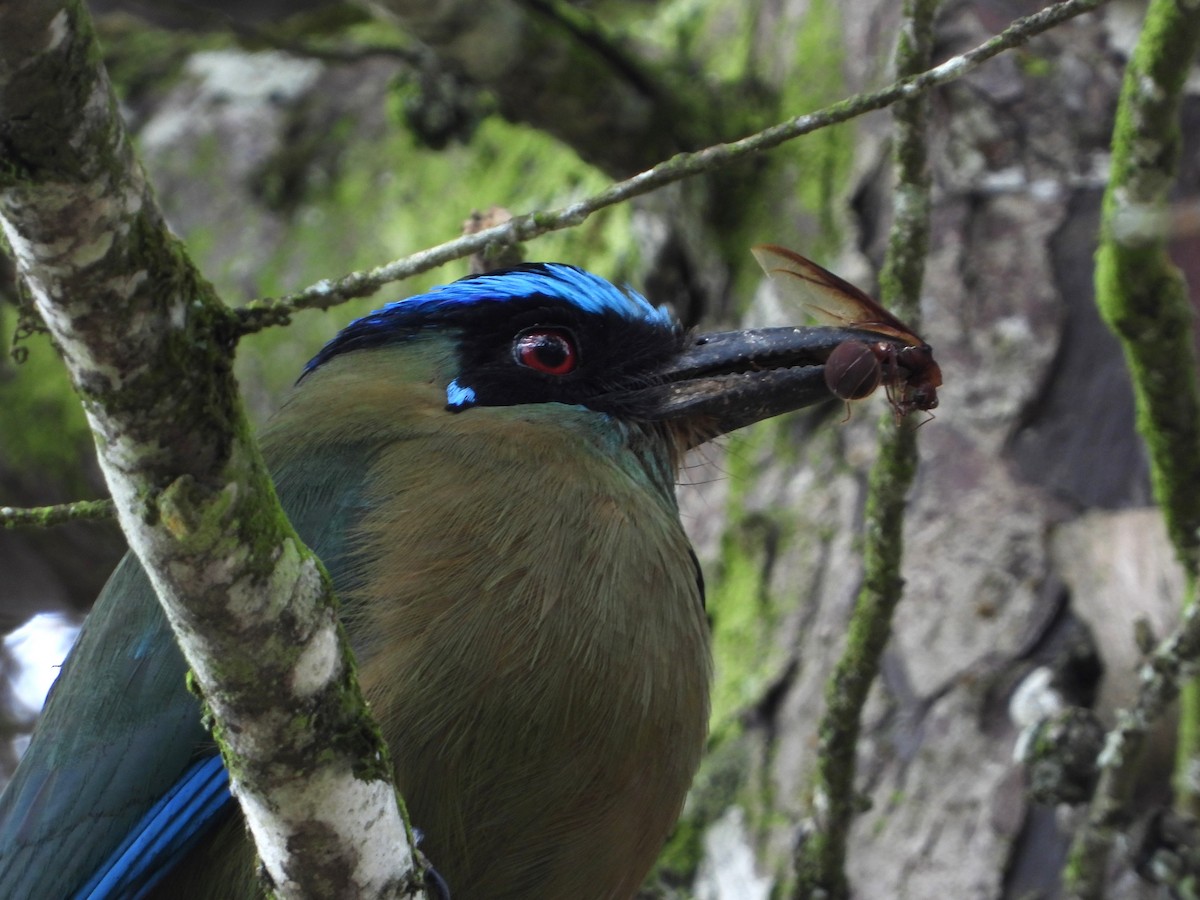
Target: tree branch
x=148 y=347
x=46 y=516
x=328 y=293
x=1087 y=871
x=821 y=858
x=1144 y=300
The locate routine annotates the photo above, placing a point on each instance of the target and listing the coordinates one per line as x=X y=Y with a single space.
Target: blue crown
x=454 y=303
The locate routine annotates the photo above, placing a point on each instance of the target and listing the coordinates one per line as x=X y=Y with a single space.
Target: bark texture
x=149 y=349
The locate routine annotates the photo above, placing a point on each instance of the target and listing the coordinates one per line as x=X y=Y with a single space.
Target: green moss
x=43 y=431
x=745 y=615
x=1034 y=66
x=141 y=59
x=733 y=600
x=747 y=654
x=743 y=623
x=1144 y=299
x=683 y=849
x=720 y=784
x=804 y=206
x=389 y=198
x=745 y=612
x=819 y=163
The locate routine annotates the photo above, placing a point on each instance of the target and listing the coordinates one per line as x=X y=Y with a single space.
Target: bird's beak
x=726 y=380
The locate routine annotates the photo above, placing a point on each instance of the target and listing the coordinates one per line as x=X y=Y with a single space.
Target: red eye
x=546 y=350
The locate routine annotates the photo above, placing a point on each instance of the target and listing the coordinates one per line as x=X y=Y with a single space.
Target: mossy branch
x=820 y=861
x=1141 y=294
x=148 y=346
x=1087 y=871
x=1144 y=300
x=47 y=516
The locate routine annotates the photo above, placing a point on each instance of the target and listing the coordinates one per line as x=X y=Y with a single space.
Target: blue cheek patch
x=458 y=397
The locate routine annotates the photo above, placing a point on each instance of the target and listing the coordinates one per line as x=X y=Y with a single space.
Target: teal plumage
x=487 y=472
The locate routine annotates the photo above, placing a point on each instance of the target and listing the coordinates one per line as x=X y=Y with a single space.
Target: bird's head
x=548 y=333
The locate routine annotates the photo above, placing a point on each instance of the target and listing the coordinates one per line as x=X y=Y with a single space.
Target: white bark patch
x=59 y=30
x=251 y=603
x=121 y=454
x=254 y=737
x=234 y=75
x=318 y=664
x=351 y=809
x=951 y=68
x=21 y=248
x=177 y=313
x=727 y=871
x=96 y=109
x=244 y=83
x=88 y=253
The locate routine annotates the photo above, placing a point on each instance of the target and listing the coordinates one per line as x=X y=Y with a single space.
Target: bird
x=488 y=472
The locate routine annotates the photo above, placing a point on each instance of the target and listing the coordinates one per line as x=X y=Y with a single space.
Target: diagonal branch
x=328 y=293
x=149 y=349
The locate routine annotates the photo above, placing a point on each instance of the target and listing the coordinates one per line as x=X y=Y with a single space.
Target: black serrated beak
x=726 y=380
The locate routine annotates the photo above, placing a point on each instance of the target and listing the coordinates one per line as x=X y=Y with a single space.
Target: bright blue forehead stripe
x=447 y=303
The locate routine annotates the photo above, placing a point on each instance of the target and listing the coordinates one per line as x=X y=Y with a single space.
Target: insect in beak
x=855 y=369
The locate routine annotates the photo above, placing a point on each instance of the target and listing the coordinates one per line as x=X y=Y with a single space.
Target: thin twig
x=821 y=859
x=327 y=293
x=1086 y=875
x=46 y=516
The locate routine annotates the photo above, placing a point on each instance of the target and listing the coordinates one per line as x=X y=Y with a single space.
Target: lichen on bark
x=149 y=347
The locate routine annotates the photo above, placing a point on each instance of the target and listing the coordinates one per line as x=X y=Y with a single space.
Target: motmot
x=488 y=472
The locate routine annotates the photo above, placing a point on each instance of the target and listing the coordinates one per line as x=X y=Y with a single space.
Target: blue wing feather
x=162 y=837
x=121 y=779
